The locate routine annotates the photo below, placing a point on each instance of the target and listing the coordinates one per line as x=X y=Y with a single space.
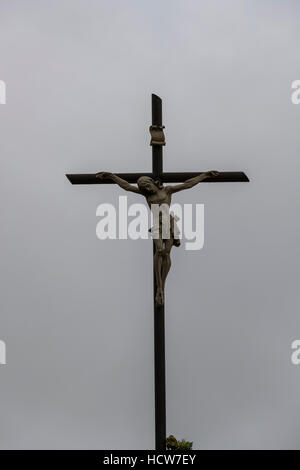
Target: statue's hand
x=213 y=173
x=103 y=175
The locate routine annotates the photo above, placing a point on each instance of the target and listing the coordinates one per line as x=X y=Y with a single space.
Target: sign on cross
x=151 y=185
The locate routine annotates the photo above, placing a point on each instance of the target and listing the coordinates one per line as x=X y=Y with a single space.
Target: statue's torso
x=160 y=197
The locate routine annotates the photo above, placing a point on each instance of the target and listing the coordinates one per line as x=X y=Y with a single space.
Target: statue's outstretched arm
x=192 y=182
x=119 y=181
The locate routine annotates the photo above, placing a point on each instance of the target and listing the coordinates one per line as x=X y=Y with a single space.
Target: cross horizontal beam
x=223 y=177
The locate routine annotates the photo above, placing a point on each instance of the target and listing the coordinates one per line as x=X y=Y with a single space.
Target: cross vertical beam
x=159 y=310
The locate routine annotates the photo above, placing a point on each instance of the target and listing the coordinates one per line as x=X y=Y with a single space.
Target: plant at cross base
x=173 y=444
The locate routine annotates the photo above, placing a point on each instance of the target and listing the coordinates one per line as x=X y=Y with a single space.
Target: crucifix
x=151 y=186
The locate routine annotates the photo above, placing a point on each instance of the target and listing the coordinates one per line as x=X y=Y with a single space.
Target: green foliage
x=184 y=445
x=173 y=444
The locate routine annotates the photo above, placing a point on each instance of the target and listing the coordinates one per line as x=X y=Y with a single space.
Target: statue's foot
x=159 y=298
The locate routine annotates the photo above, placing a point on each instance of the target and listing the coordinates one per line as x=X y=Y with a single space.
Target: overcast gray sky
x=76 y=312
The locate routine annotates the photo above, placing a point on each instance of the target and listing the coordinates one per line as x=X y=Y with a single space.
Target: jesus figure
x=158 y=195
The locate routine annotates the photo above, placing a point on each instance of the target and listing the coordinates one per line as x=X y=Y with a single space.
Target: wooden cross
x=159 y=313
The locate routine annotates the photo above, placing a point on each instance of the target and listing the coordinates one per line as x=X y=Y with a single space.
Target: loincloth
x=171 y=231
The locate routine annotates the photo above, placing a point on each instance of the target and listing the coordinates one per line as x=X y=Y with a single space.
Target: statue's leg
x=158 y=260
x=166 y=263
